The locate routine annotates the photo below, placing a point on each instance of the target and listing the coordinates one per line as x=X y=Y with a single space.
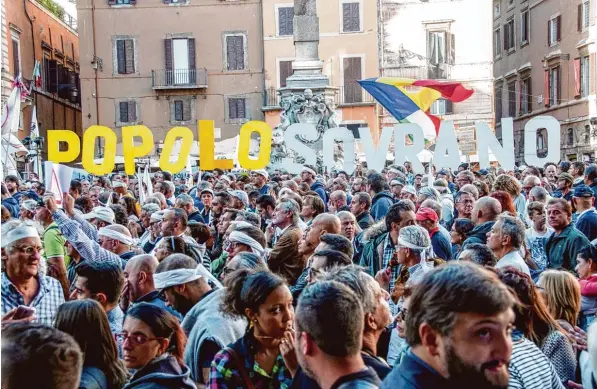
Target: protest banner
x=57 y=179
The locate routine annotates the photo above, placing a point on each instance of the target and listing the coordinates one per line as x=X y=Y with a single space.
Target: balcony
x=179 y=79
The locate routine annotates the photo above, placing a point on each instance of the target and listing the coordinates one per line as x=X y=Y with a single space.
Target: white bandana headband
x=18 y=234
x=239 y=237
x=182 y=276
x=110 y=233
x=309 y=170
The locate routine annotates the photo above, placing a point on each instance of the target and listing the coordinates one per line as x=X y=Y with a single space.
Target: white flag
x=10 y=125
x=142 y=195
x=147 y=181
x=11 y=112
x=34 y=146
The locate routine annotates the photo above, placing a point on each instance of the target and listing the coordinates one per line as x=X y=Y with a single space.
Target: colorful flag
x=413 y=107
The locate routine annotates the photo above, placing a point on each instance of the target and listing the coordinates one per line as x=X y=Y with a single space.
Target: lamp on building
x=159 y=148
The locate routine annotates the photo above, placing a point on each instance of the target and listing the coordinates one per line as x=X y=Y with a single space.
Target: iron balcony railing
x=179 y=79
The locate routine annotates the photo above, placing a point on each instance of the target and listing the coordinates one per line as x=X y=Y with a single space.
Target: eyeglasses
x=136 y=339
x=230 y=245
x=402 y=314
x=30 y=250
x=227 y=270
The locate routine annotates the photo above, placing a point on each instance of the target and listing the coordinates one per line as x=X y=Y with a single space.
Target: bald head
x=486 y=209
x=142 y=263
x=327 y=222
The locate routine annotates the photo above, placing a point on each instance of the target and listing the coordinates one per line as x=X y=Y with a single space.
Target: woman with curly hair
x=505 y=200
x=513 y=187
x=538 y=325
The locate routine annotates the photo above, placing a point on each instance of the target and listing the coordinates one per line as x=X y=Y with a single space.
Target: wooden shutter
x=16 y=63
x=168 y=62
x=129 y=50
x=548 y=32
x=178 y=110
x=285 y=72
x=449 y=106
x=132 y=111
x=350 y=17
x=124 y=112
x=235 y=52
x=232 y=112
x=285 y=20
x=577 y=77
x=529 y=96
x=546 y=90
x=52 y=76
x=506 y=37
x=452 y=54
x=121 y=56
x=579 y=20
x=558 y=28
x=352 y=73
x=192 y=61
x=186 y=110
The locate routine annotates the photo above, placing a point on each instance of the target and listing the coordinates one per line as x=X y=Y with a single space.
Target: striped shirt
x=530 y=368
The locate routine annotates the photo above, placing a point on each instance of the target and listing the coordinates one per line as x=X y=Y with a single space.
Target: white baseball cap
x=103 y=213
x=262 y=173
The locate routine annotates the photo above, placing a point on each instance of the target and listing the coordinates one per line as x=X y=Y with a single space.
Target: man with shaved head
x=325 y=223
x=338 y=202
x=139 y=286
x=485 y=214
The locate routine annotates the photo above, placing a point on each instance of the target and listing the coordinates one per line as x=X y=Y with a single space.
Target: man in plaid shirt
x=22 y=283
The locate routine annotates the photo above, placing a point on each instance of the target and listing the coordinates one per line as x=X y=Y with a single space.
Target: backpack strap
x=241 y=368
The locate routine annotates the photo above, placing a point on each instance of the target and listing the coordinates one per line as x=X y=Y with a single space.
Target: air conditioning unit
x=540 y=99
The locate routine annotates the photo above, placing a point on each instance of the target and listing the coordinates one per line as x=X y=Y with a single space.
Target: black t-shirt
x=367 y=375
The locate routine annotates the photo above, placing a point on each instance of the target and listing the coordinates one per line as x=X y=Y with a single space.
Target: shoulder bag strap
x=241 y=368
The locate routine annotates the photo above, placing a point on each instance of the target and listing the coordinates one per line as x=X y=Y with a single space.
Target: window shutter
x=232 y=111
x=132 y=111
x=577 y=77
x=52 y=76
x=235 y=52
x=352 y=73
x=178 y=110
x=129 y=49
x=16 y=60
x=285 y=20
x=546 y=89
x=285 y=72
x=192 y=61
x=356 y=16
x=579 y=17
x=549 y=32
x=559 y=28
x=350 y=17
x=111 y=2
x=124 y=112
x=519 y=96
x=452 y=59
x=168 y=63
x=506 y=38
x=186 y=111
x=121 y=56
x=449 y=107
x=132 y=2
x=529 y=96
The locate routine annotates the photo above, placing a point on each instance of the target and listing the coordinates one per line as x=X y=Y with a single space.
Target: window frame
x=361 y=18
x=227 y=118
x=526 y=98
x=115 y=39
x=512 y=101
x=363 y=58
x=244 y=35
x=278 y=69
x=497 y=46
x=556 y=93
x=510 y=33
x=523 y=25
x=499 y=102
x=118 y=121
x=554 y=41
x=498 y=13
x=191 y=101
x=586 y=15
x=585 y=85
x=15 y=37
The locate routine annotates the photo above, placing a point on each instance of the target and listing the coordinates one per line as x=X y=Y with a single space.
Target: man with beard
x=186 y=288
x=458 y=326
x=329 y=323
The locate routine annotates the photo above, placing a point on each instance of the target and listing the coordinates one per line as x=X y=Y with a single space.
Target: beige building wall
x=334 y=46
x=527 y=61
x=148 y=24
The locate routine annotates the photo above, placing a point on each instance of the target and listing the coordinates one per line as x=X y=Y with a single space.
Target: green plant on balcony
x=55 y=8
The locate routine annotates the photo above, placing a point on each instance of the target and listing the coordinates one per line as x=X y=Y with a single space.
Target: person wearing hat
x=260 y=178
x=308 y=176
x=564 y=183
x=409 y=193
x=396 y=186
x=28 y=209
x=428 y=219
x=22 y=281
x=238 y=200
x=584 y=202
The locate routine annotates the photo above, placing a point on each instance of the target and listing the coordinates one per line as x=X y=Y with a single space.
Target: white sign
x=57 y=179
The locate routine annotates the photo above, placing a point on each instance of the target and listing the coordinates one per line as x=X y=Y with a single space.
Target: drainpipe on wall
x=264 y=96
x=32 y=32
x=95 y=59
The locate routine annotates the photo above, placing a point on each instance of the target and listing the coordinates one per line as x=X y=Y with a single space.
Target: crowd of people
x=475 y=278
